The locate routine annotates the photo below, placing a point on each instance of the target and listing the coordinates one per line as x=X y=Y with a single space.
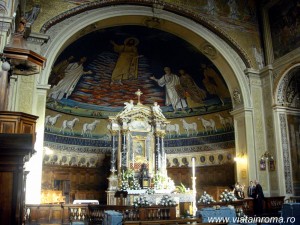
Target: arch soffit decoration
x=236 y=64
x=282 y=84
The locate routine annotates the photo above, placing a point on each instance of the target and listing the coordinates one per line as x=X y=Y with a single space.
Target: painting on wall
x=262 y=164
x=103 y=69
x=284 y=25
x=272 y=166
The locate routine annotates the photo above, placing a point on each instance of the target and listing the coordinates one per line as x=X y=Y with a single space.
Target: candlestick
x=194 y=187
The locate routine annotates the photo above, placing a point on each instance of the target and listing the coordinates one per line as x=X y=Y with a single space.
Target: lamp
x=5 y=66
x=157 y=10
x=240 y=157
x=267 y=156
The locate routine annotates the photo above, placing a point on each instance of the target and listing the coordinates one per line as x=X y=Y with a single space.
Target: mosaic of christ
x=103 y=70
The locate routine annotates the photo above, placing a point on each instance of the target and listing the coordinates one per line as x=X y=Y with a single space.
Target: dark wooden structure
x=93 y=214
x=212 y=179
x=88 y=183
x=17 y=136
x=13 y=149
x=272 y=205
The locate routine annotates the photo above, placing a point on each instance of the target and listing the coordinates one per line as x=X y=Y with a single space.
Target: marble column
x=124 y=150
x=157 y=152
x=113 y=152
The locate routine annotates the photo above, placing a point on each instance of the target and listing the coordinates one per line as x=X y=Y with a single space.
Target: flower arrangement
x=127 y=175
x=227 y=196
x=158 y=181
x=206 y=199
x=150 y=191
x=167 y=200
x=124 y=186
x=135 y=185
x=141 y=201
x=128 y=181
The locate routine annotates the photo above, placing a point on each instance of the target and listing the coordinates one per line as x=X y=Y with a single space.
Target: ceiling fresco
x=95 y=75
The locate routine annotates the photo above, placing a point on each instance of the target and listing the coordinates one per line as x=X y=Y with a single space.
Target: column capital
x=124 y=131
x=113 y=132
x=161 y=134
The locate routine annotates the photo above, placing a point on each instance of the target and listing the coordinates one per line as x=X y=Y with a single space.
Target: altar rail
x=93 y=214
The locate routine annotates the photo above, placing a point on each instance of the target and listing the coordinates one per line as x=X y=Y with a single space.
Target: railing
x=130 y=213
x=293 y=199
x=94 y=214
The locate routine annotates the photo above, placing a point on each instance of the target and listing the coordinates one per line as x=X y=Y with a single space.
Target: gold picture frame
x=262 y=164
x=272 y=166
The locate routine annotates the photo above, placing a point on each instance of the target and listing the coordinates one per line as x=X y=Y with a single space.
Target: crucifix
x=139 y=93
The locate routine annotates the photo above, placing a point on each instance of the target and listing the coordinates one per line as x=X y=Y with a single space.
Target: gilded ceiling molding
x=166 y=6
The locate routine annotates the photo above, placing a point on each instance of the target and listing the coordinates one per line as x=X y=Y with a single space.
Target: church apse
x=95 y=78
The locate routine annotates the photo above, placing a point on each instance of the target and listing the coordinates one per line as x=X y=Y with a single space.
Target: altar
x=138 y=158
x=155 y=197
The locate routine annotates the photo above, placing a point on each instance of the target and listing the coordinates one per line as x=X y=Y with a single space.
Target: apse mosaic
x=101 y=71
x=99 y=74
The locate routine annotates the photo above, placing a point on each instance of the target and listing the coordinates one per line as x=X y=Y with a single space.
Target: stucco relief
x=237 y=97
x=209 y=50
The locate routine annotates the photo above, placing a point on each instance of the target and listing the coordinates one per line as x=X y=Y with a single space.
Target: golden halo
x=136 y=41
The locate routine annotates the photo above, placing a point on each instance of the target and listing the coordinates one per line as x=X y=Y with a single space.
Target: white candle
x=194 y=186
x=133 y=159
x=193 y=166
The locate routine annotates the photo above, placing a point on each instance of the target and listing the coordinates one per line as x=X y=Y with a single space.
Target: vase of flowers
x=206 y=199
x=135 y=185
x=167 y=200
x=227 y=196
x=129 y=181
x=124 y=186
x=141 y=201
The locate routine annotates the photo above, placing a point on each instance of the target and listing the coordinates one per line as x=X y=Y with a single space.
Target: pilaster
x=246 y=168
x=259 y=126
x=268 y=101
x=34 y=166
x=284 y=165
